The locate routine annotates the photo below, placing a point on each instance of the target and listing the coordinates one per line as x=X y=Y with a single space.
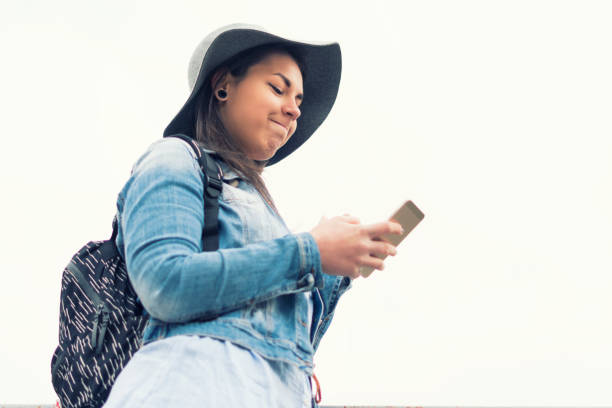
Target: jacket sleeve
x=162 y=220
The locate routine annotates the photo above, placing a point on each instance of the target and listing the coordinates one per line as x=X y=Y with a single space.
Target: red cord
x=318 y=394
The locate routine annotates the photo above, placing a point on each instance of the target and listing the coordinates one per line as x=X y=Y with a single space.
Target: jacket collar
x=228 y=173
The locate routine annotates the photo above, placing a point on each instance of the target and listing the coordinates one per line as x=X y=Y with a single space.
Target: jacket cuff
x=311 y=272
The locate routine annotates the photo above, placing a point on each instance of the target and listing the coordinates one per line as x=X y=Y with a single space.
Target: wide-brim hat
x=322 y=63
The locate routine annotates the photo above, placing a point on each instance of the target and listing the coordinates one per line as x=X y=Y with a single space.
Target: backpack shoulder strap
x=212 y=190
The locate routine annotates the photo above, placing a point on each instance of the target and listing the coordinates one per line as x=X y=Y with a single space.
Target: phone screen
x=408 y=216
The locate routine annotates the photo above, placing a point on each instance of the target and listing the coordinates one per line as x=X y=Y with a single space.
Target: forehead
x=279 y=63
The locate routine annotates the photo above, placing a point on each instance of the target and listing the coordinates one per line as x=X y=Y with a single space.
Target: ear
x=221 y=79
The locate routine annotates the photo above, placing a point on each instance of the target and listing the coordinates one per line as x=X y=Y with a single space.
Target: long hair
x=209 y=129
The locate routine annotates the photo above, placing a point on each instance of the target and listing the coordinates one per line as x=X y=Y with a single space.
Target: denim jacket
x=250 y=291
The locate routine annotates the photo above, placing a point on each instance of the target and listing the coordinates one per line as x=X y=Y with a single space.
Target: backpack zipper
x=102 y=316
x=99 y=327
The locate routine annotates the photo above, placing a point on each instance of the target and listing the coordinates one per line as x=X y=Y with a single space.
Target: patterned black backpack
x=101 y=319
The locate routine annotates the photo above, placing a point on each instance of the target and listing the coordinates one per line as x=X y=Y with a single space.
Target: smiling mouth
x=284 y=128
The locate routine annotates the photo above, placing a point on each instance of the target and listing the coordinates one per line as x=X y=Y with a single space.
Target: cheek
x=252 y=113
x=292 y=129
x=242 y=121
x=248 y=117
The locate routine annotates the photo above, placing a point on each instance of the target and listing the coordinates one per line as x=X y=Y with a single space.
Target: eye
x=276 y=90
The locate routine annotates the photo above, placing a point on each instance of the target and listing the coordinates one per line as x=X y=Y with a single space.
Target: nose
x=292 y=109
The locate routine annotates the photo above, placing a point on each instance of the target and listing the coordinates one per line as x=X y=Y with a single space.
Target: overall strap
x=212 y=190
x=115 y=229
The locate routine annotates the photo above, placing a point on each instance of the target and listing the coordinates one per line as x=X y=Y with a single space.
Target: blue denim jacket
x=250 y=291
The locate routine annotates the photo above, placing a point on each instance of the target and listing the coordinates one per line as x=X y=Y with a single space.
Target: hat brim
x=323 y=65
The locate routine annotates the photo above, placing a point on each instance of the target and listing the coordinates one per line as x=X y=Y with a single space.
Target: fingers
x=382 y=248
x=374 y=262
x=379 y=250
x=382 y=228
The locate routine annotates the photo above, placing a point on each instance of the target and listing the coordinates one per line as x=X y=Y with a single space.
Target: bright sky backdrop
x=492 y=116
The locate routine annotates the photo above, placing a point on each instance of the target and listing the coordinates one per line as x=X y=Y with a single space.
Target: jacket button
x=310 y=279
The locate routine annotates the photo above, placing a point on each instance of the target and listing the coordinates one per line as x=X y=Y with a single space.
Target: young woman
x=237 y=326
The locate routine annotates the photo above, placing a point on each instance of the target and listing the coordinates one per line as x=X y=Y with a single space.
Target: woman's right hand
x=346 y=245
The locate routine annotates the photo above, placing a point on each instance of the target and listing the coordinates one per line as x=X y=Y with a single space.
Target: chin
x=266 y=150
x=268 y=156
x=270 y=152
x=263 y=156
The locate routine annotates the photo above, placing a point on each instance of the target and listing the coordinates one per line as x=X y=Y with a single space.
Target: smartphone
x=408 y=216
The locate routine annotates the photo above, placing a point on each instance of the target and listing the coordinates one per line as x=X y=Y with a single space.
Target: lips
x=280 y=124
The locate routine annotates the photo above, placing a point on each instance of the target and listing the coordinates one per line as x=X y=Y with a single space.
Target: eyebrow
x=288 y=83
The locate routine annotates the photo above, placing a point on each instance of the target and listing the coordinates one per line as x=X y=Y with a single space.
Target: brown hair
x=209 y=129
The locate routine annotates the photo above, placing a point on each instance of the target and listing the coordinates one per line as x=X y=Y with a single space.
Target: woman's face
x=260 y=111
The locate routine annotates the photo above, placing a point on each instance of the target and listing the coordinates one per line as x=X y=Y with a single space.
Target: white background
x=492 y=116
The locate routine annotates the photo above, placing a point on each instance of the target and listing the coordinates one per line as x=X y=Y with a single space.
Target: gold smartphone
x=408 y=216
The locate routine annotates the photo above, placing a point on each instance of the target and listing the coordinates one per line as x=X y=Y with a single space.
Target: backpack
x=101 y=320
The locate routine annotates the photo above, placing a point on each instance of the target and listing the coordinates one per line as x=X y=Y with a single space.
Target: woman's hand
x=345 y=245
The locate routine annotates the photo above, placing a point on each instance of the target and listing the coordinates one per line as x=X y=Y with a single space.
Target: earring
x=222 y=94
